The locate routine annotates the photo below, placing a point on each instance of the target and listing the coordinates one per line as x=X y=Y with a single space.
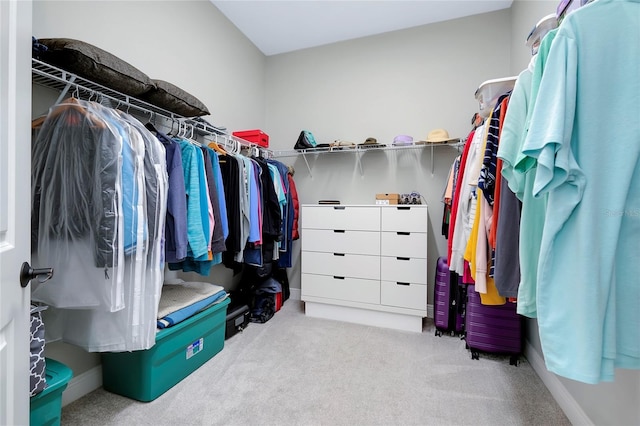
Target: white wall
x=188 y=43
x=404 y=82
x=408 y=81
x=605 y=403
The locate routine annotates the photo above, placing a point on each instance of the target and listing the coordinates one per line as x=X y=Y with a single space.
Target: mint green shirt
x=585 y=136
x=520 y=172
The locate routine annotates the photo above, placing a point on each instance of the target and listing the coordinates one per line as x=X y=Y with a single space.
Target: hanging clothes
x=217 y=242
x=77 y=208
x=467 y=199
x=520 y=172
x=231 y=180
x=176 y=221
x=584 y=138
x=208 y=218
x=291 y=229
x=103 y=235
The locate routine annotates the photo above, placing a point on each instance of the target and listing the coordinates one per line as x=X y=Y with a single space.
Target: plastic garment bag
x=143 y=193
x=76 y=211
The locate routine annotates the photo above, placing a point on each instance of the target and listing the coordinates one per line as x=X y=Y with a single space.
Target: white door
x=15 y=208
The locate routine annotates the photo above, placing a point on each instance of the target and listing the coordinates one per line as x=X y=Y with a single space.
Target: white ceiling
x=284 y=26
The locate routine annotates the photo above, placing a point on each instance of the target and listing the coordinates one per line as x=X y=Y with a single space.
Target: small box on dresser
x=365 y=264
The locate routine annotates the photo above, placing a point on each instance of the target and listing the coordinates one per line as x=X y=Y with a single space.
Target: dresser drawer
x=406 y=269
x=404 y=244
x=403 y=295
x=355 y=218
x=341 y=241
x=405 y=218
x=343 y=265
x=350 y=289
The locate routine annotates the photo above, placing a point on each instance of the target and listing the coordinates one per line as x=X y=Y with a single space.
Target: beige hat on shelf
x=439 y=136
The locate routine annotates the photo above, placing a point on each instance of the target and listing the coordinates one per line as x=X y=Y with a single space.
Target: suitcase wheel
x=438 y=333
x=514 y=360
x=475 y=355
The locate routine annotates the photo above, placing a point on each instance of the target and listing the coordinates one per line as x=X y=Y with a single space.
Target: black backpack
x=264 y=301
x=305 y=141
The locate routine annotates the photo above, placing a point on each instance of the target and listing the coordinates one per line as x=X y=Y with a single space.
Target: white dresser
x=365 y=264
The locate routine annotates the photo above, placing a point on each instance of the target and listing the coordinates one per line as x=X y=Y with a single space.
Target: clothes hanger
x=216 y=147
x=180 y=130
x=230 y=145
x=190 y=137
x=171 y=132
x=69 y=104
x=150 y=125
x=54 y=111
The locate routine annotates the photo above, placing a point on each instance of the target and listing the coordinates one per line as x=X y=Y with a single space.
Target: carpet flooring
x=297 y=370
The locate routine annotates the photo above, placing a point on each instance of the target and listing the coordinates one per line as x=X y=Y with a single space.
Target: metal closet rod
x=50 y=76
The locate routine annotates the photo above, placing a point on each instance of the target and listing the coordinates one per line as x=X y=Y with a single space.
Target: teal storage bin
x=179 y=350
x=46 y=407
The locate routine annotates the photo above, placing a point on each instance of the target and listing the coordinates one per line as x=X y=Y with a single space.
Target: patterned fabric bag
x=37 y=367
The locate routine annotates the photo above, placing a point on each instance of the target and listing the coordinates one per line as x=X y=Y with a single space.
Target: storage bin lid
x=57 y=375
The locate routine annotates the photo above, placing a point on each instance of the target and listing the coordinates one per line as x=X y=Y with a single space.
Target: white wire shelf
x=360 y=149
x=68 y=84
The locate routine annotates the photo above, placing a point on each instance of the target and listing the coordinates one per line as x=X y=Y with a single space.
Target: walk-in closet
x=433 y=221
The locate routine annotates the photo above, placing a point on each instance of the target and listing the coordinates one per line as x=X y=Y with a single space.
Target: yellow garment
x=488 y=295
x=470 y=250
x=492 y=297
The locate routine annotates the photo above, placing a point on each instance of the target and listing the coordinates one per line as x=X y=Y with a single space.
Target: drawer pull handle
x=338 y=254
x=338 y=278
x=338 y=207
x=403 y=208
x=339 y=231
x=403 y=258
x=403 y=233
x=401 y=283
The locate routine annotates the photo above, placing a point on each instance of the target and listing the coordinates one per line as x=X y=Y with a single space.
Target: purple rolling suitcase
x=448 y=303
x=494 y=329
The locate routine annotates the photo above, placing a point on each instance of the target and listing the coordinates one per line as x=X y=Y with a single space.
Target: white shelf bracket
x=304 y=157
x=431 y=160
x=64 y=92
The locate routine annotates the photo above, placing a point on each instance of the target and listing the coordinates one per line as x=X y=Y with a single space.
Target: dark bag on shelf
x=305 y=141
